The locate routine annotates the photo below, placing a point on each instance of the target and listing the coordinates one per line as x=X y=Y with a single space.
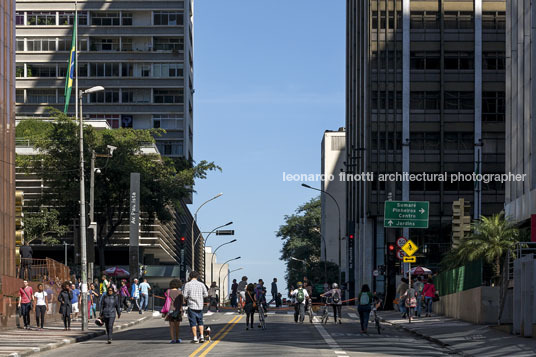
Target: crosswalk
x=350 y=315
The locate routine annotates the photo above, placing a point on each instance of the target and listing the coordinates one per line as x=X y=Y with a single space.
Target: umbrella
x=420 y=271
x=116 y=271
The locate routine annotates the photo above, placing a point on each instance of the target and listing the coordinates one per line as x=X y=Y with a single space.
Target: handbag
x=167 y=305
x=435 y=298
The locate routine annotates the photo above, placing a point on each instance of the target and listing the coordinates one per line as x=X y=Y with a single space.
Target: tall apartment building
x=141 y=52
x=425 y=93
x=7 y=138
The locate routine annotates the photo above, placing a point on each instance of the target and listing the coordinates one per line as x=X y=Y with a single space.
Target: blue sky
x=269 y=79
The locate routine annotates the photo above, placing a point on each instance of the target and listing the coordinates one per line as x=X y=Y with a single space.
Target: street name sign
x=412 y=259
x=410 y=248
x=406 y=214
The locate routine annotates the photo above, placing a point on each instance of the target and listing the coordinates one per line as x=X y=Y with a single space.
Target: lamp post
x=339 y=211
x=226 y=276
x=205 y=245
x=83 y=242
x=194 y=221
x=212 y=258
x=219 y=273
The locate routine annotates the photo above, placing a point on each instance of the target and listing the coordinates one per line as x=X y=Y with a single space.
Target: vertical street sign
x=134 y=222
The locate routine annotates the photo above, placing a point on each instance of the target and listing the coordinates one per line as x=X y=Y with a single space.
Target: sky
x=269 y=80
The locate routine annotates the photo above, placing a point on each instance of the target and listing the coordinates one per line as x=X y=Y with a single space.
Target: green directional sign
x=406 y=214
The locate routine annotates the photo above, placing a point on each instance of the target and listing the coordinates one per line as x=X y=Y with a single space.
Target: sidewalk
x=20 y=342
x=464 y=338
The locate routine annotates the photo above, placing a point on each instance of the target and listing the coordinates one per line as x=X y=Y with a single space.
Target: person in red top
x=26 y=299
x=429 y=292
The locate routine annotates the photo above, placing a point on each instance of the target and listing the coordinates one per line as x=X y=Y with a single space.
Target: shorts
x=75 y=307
x=243 y=295
x=195 y=317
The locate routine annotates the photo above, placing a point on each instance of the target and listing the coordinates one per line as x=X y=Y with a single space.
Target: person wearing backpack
x=364 y=299
x=336 y=301
x=419 y=287
x=299 y=295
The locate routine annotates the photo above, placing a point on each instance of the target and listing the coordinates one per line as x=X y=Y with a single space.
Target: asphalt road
x=282 y=337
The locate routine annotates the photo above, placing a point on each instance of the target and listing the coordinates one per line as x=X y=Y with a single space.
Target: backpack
x=300 y=296
x=336 y=297
x=364 y=299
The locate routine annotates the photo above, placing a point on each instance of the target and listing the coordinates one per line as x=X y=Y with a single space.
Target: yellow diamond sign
x=410 y=248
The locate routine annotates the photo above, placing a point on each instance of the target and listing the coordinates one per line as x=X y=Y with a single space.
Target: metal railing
x=37 y=269
x=521 y=249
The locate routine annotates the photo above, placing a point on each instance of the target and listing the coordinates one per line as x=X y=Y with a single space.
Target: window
x=106 y=96
x=105 y=44
x=20 y=44
x=459 y=100
x=424 y=20
x=126 y=19
x=493 y=20
x=168 y=96
x=425 y=60
x=126 y=44
x=109 y=18
x=168 y=70
x=136 y=95
x=424 y=100
x=424 y=141
x=19 y=18
x=40 y=70
x=493 y=61
x=168 y=121
x=112 y=119
x=41 y=18
x=493 y=107
x=417 y=20
x=41 y=44
x=170 y=18
x=109 y=69
x=67 y=18
x=19 y=70
x=64 y=44
x=82 y=44
x=458 y=141
x=455 y=20
x=19 y=96
x=168 y=44
x=41 y=96
x=127 y=69
x=174 y=148
x=459 y=60
x=386 y=140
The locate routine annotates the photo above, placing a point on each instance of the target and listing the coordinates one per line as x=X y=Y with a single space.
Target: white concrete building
x=217 y=272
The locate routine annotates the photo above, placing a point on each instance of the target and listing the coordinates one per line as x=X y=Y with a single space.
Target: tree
x=164 y=181
x=44 y=225
x=301 y=240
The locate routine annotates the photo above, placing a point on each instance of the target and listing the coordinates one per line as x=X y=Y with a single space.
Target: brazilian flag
x=71 y=67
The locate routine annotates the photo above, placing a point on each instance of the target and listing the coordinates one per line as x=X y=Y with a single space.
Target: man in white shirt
x=144 y=295
x=195 y=292
x=299 y=297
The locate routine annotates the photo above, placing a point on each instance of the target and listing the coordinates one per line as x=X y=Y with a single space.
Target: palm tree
x=491 y=239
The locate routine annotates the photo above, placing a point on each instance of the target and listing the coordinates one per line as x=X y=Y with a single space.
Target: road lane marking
x=220 y=338
x=205 y=344
x=230 y=313
x=353 y=315
x=209 y=313
x=330 y=341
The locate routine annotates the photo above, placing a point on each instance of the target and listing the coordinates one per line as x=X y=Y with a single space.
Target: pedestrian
x=64 y=298
x=144 y=295
x=135 y=296
x=75 y=301
x=278 y=301
x=41 y=306
x=195 y=292
x=273 y=291
x=26 y=254
x=241 y=289
x=365 y=300
x=400 y=292
x=174 y=315
x=125 y=295
x=429 y=292
x=410 y=301
x=26 y=300
x=419 y=286
x=234 y=293
x=299 y=295
x=213 y=295
x=93 y=297
x=110 y=306
x=104 y=285
x=336 y=301
x=250 y=305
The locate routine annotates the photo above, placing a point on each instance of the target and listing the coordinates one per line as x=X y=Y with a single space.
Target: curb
x=73 y=340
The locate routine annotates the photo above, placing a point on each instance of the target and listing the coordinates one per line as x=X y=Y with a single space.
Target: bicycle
x=262 y=322
x=310 y=310
x=325 y=311
x=376 y=319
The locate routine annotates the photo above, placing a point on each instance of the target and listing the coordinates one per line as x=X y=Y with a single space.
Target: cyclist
x=336 y=301
x=241 y=289
x=299 y=296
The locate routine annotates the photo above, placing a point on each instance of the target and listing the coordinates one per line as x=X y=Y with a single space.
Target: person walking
x=250 y=306
x=241 y=289
x=144 y=295
x=419 y=287
x=365 y=300
x=174 y=315
x=234 y=293
x=64 y=298
x=299 y=296
x=93 y=297
x=104 y=285
x=75 y=301
x=195 y=292
x=26 y=254
x=401 y=293
x=135 y=296
x=336 y=301
x=26 y=300
x=41 y=306
x=109 y=309
x=273 y=291
x=213 y=295
x=429 y=292
x=125 y=295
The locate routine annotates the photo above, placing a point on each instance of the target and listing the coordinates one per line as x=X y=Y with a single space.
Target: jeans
x=135 y=301
x=25 y=312
x=40 y=311
x=109 y=322
x=402 y=306
x=299 y=310
x=144 y=302
x=364 y=314
x=428 y=301
x=337 y=312
x=419 y=304
x=93 y=311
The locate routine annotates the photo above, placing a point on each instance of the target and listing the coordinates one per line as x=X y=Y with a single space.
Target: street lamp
x=212 y=258
x=219 y=273
x=83 y=241
x=205 y=245
x=339 y=210
x=194 y=221
x=226 y=276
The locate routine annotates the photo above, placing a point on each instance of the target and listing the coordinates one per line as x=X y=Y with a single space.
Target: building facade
x=520 y=197
x=7 y=138
x=425 y=93
x=141 y=52
x=332 y=200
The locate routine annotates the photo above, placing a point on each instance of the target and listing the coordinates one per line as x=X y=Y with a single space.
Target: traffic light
x=391 y=248
x=19 y=224
x=182 y=240
x=461 y=221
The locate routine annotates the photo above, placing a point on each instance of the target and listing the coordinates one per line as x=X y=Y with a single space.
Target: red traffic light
x=391 y=247
x=182 y=239
x=351 y=236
